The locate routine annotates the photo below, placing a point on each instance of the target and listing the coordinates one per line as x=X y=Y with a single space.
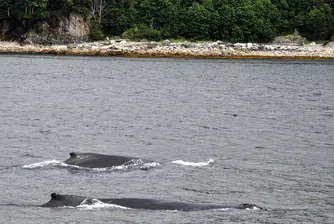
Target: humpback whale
x=60 y=200
x=94 y=160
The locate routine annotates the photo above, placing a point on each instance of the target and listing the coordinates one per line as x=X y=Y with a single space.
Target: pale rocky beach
x=185 y=49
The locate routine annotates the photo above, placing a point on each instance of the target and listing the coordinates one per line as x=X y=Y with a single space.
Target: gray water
x=268 y=125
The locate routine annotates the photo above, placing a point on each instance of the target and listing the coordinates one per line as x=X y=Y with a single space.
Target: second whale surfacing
x=94 y=160
x=61 y=200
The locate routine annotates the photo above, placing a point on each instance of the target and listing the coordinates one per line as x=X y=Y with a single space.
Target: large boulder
x=55 y=30
x=294 y=40
x=11 y=30
x=330 y=44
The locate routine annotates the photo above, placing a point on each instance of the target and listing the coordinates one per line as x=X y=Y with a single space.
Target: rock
x=187 y=44
x=166 y=42
x=312 y=43
x=224 y=52
x=330 y=44
x=105 y=43
x=26 y=42
x=54 y=30
x=222 y=46
x=268 y=48
x=249 y=46
x=71 y=46
x=54 y=41
x=256 y=47
x=240 y=46
x=152 y=45
x=296 y=40
x=210 y=45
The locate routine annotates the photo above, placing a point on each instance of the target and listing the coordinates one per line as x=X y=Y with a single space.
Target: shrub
x=142 y=31
x=96 y=33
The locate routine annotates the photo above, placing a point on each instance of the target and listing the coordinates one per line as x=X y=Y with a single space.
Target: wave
x=247 y=209
x=221 y=209
x=196 y=164
x=31 y=155
x=43 y=164
x=95 y=204
x=133 y=164
x=130 y=165
x=254 y=208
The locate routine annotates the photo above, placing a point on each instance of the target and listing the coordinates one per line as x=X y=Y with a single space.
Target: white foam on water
x=149 y=165
x=133 y=164
x=254 y=208
x=109 y=168
x=95 y=204
x=42 y=164
x=68 y=207
x=173 y=211
x=221 y=209
x=196 y=164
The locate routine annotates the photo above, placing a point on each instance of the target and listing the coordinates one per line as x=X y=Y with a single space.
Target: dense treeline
x=229 y=20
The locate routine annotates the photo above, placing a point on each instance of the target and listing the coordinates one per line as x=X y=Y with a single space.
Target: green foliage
x=198 y=22
x=80 y=7
x=228 y=20
x=163 y=15
x=142 y=31
x=317 y=22
x=96 y=33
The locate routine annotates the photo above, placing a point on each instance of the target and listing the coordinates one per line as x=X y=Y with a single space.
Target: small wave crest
x=95 y=204
x=196 y=164
x=221 y=209
x=43 y=164
x=133 y=162
x=126 y=166
x=254 y=208
x=147 y=166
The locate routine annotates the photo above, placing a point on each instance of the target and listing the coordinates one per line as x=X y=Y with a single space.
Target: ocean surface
x=220 y=131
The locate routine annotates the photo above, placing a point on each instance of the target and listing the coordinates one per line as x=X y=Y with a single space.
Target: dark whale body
x=94 y=160
x=59 y=200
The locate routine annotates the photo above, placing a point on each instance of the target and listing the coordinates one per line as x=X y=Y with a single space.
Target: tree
x=319 y=21
x=162 y=15
x=5 y=8
x=255 y=21
x=36 y=9
x=199 y=21
x=227 y=20
x=99 y=9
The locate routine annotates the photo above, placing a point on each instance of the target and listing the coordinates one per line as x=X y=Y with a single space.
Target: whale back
x=59 y=200
x=155 y=204
x=94 y=160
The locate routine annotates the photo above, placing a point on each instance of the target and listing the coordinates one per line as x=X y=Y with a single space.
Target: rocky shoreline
x=185 y=49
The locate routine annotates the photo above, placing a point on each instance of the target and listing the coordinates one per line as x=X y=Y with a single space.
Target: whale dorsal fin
x=54 y=196
x=73 y=154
